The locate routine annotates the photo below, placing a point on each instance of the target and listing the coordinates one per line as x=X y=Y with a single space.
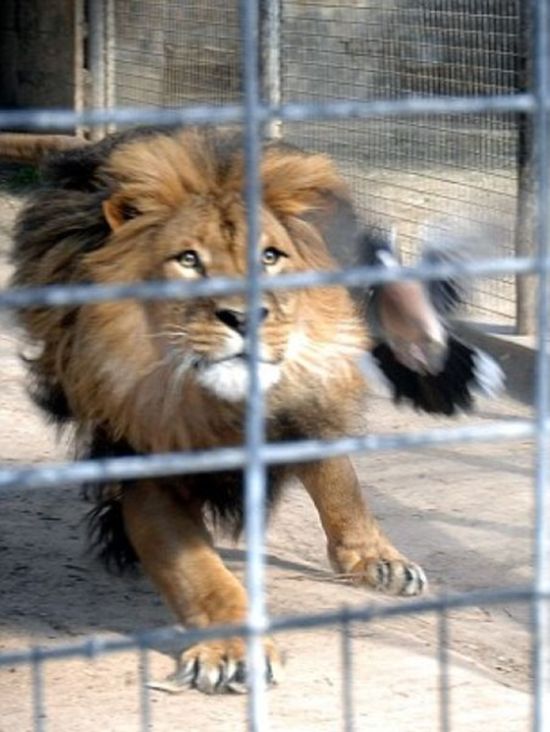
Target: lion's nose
x=237 y=319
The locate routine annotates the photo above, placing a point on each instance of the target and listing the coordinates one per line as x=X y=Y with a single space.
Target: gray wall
x=36 y=53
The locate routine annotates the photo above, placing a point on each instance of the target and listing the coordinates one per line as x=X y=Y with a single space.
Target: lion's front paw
x=394 y=575
x=218 y=667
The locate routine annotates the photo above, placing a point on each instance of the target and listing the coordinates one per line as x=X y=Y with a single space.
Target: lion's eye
x=271 y=256
x=189 y=259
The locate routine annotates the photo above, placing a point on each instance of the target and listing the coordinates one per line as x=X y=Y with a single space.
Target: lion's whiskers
x=179 y=333
x=156 y=365
x=175 y=381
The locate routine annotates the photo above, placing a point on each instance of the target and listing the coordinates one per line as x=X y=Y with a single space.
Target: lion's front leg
x=176 y=551
x=357 y=545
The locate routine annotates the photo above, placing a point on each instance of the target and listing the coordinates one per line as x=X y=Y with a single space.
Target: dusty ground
x=464 y=512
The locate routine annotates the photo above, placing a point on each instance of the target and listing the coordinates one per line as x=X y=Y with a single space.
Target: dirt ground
x=463 y=511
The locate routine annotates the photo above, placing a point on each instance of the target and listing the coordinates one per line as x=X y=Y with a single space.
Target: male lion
x=142 y=377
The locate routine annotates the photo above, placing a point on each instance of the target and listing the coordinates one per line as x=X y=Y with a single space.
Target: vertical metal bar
x=78 y=63
x=96 y=59
x=271 y=62
x=541 y=635
x=38 y=707
x=525 y=225
x=443 y=659
x=347 y=673
x=110 y=68
x=144 y=698
x=255 y=474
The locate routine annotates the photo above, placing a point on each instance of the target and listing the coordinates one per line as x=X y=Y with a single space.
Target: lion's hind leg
x=357 y=546
x=175 y=550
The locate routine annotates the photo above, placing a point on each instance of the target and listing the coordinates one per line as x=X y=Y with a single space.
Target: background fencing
x=432 y=174
x=425 y=159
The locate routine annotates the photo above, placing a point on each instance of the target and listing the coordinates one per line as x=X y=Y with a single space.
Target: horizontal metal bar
x=178 y=638
x=55 y=119
x=62 y=295
x=130 y=468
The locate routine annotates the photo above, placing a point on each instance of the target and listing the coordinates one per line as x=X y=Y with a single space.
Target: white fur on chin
x=230 y=380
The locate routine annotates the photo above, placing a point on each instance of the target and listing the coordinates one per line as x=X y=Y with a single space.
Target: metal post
x=110 y=68
x=144 y=692
x=271 y=62
x=96 y=60
x=525 y=228
x=347 y=673
x=541 y=621
x=79 y=36
x=38 y=706
x=443 y=658
x=255 y=473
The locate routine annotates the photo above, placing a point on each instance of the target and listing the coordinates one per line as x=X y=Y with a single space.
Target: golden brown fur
x=141 y=377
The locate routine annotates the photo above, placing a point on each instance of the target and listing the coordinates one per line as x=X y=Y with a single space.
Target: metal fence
x=429 y=175
x=414 y=114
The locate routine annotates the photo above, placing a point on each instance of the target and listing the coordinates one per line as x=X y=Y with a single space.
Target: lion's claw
x=219 y=667
x=394 y=577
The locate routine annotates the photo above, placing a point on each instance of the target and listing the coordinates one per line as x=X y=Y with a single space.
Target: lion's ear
x=336 y=221
x=117 y=210
x=295 y=182
x=309 y=187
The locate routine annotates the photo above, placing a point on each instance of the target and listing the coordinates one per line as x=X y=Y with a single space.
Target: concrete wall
x=172 y=52
x=176 y=52
x=36 y=53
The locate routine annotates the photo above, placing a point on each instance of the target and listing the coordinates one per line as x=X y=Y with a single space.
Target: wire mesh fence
x=468 y=148
x=431 y=175
x=173 y=54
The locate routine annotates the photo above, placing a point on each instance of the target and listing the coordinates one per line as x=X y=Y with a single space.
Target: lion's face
x=190 y=224
x=175 y=211
x=211 y=334
x=207 y=338
x=204 y=341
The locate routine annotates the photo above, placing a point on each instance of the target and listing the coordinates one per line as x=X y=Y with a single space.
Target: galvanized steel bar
x=97 y=645
x=128 y=468
x=96 y=65
x=347 y=672
x=145 y=716
x=61 y=295
x=38 y=706
x=255 y=471
x=271 y=62
x=78 y=61
x=541 y=635
x=525 y=213
x=110 y=59
x=36 y=119
x=443 y=663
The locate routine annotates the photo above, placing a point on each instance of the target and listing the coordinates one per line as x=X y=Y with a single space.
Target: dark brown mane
x=64 y=221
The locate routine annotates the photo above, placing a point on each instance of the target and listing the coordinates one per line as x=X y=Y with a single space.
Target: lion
x=140 y=377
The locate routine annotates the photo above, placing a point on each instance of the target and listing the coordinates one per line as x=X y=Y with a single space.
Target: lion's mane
x=80 y=374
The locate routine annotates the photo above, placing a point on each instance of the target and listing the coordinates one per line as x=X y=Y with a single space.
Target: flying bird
x=422 y=361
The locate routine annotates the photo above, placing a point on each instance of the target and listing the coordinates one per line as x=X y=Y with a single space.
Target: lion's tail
x=221 y=495
x=106 y=532
x=108 y=537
